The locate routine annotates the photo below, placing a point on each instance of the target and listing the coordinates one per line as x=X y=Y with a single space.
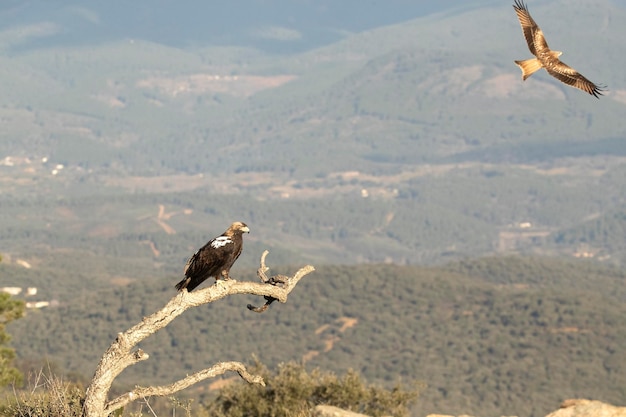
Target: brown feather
x=215 y=258
x=529 y=66
x=547 y=58
x=528 y=24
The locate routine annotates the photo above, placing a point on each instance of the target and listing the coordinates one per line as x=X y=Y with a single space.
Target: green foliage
x=49 y=397
x=603 y=235
x=464 y=165
x=541 y=271
x=450 y=171
x=487 y=336
x=10 y=309
x=294 y=391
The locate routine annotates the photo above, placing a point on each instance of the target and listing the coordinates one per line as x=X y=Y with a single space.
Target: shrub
x=293 y=391
x=49 y=397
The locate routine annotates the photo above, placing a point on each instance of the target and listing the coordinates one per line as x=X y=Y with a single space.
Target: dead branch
x=122 y=353
x=212 y=372
x=280 y=280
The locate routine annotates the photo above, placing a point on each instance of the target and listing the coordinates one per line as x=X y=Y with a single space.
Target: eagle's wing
x=548 y=58
x=207 y=261
x=191 y=262
x=570 y=76
x=215 y=258
x=531 y=30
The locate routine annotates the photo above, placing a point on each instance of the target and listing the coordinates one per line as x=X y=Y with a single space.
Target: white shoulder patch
x=220 y=241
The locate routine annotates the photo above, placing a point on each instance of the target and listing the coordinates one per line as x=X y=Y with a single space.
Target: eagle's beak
x=245 y=229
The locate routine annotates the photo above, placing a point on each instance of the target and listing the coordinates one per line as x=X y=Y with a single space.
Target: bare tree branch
x=279 y=280
x=120 y=354
x=215 y=370
x=263 y=268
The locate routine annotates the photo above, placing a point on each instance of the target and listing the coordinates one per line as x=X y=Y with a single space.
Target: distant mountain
x=410 y=143
x=599 y=236
x=279 y=26
x=440 y=88
x=341 y=133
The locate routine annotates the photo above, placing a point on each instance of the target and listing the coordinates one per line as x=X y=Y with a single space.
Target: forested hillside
x=491 y=336
x=467 y=226
x=382 y=146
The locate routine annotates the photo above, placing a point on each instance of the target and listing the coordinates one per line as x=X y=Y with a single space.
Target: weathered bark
x=121 y=353
x=215 y=370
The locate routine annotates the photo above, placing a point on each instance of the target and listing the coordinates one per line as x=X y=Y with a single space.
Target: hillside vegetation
x=407 y=143
x=449 y=207
x=495 y=335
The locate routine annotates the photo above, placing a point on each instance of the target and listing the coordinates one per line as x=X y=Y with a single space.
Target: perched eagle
x=215 y=258
x=546 y=58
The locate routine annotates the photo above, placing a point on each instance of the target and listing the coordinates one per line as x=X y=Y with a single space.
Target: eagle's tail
x=528 y=67
x=183 y=284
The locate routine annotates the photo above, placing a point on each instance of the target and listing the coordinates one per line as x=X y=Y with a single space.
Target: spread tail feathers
x=528 y=67
x=183 y=284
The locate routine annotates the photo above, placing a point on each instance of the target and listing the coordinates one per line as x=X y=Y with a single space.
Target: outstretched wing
x=548 y=58
x=570 y=76
x=531 y=30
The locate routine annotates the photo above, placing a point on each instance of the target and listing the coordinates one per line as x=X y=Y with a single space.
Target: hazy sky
x=272 y=25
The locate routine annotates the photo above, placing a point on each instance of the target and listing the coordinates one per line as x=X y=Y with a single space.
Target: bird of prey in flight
x=547 y=58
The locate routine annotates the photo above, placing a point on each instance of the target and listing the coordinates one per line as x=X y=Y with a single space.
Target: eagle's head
x=238 y=228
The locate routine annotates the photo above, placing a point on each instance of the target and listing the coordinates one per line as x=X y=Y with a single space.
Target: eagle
x=547 y=58
x=215 y=258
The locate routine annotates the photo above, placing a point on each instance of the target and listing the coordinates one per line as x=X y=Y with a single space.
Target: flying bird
x=547 y=58
x=215 y=258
